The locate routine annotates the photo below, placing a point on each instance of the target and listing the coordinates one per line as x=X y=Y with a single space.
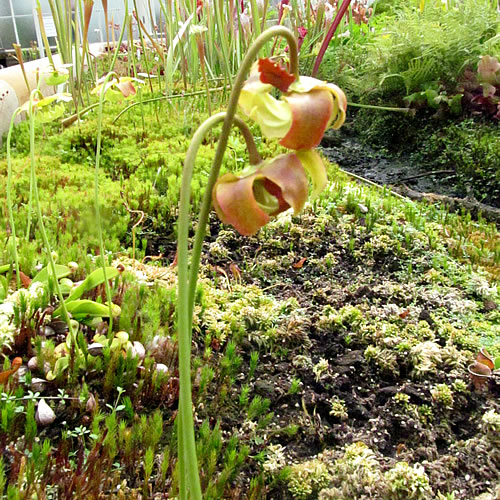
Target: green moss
x=307 y=478
x=347 y=318
x=472 y=148
x=66 y=195
x=357 y=474
x=407 y=482
x=442 y=395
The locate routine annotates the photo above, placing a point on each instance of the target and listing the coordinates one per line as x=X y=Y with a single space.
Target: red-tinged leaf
x=404 y=314
x=274 y=74
x=300 y=263
x=4 y=376
x=25 y=280
x=235 y=270
x=485 y=358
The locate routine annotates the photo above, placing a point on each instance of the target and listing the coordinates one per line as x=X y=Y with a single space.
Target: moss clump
x=247 y=311
x=405 y=482
x=426 y=358
x=346 y=318
x=338 y=408
x=308 y=478
x=356 y=475
x=442 y=395
x=385 y=359
x=491 y=426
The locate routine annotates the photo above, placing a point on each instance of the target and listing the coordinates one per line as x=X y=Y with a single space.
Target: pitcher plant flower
x=248 y=202
x=117 y=88
x=306 y=109
x=57 y=75
x=47 y=109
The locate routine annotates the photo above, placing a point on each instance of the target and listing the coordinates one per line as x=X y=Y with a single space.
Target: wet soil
x=384 y=168
x=456 y=455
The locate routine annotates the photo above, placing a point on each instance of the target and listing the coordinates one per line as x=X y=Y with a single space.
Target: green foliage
x=30 y=426
x=381 y=130
x=66 y=199
x=410 y=49
x=308 y=478
x=407 y=482
x=135 y=403
x=91 y=281
x=473 y=150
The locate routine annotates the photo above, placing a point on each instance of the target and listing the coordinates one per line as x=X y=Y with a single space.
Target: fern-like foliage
x=420 y=72
x=421 y=44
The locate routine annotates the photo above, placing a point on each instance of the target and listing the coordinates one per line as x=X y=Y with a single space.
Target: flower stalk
x=188 y=272
x=43 y=232
x=102 y=249
x=9 y=198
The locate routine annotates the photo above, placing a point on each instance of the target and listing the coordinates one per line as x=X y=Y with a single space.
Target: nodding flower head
x=56 y=75
x=47 y=109
x=247 y=202
x=306 y=109
x=117 y=88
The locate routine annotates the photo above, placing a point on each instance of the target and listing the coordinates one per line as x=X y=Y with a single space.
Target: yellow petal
x=274 y=117
x=314 y=166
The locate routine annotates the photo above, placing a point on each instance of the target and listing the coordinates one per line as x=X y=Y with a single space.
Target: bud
x=91 y=404
x=44 y=413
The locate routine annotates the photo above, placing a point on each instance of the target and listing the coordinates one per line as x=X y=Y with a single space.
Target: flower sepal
x=248 y=201
x=307 y=107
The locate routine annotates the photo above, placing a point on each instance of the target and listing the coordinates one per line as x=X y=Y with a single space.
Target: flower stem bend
x=188 y=275
x=246 y=64
x=189 y=467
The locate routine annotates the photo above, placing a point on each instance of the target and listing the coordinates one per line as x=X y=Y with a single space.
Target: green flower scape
x=195 y=302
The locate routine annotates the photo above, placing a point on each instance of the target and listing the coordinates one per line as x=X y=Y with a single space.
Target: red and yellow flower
x=306 y=109
x=247 y=202
x=298 y=119
x=117 y=88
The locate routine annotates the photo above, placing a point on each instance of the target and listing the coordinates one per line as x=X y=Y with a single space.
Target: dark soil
x=449 y=443
x=384 y=168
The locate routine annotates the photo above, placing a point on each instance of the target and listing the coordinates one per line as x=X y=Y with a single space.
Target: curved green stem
x=45 y=239
x=186 y=429
x=188 y=276
x=246 y=64
x=9 y=197
x=32 y=157
x=102 y=250
x=380 y=108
